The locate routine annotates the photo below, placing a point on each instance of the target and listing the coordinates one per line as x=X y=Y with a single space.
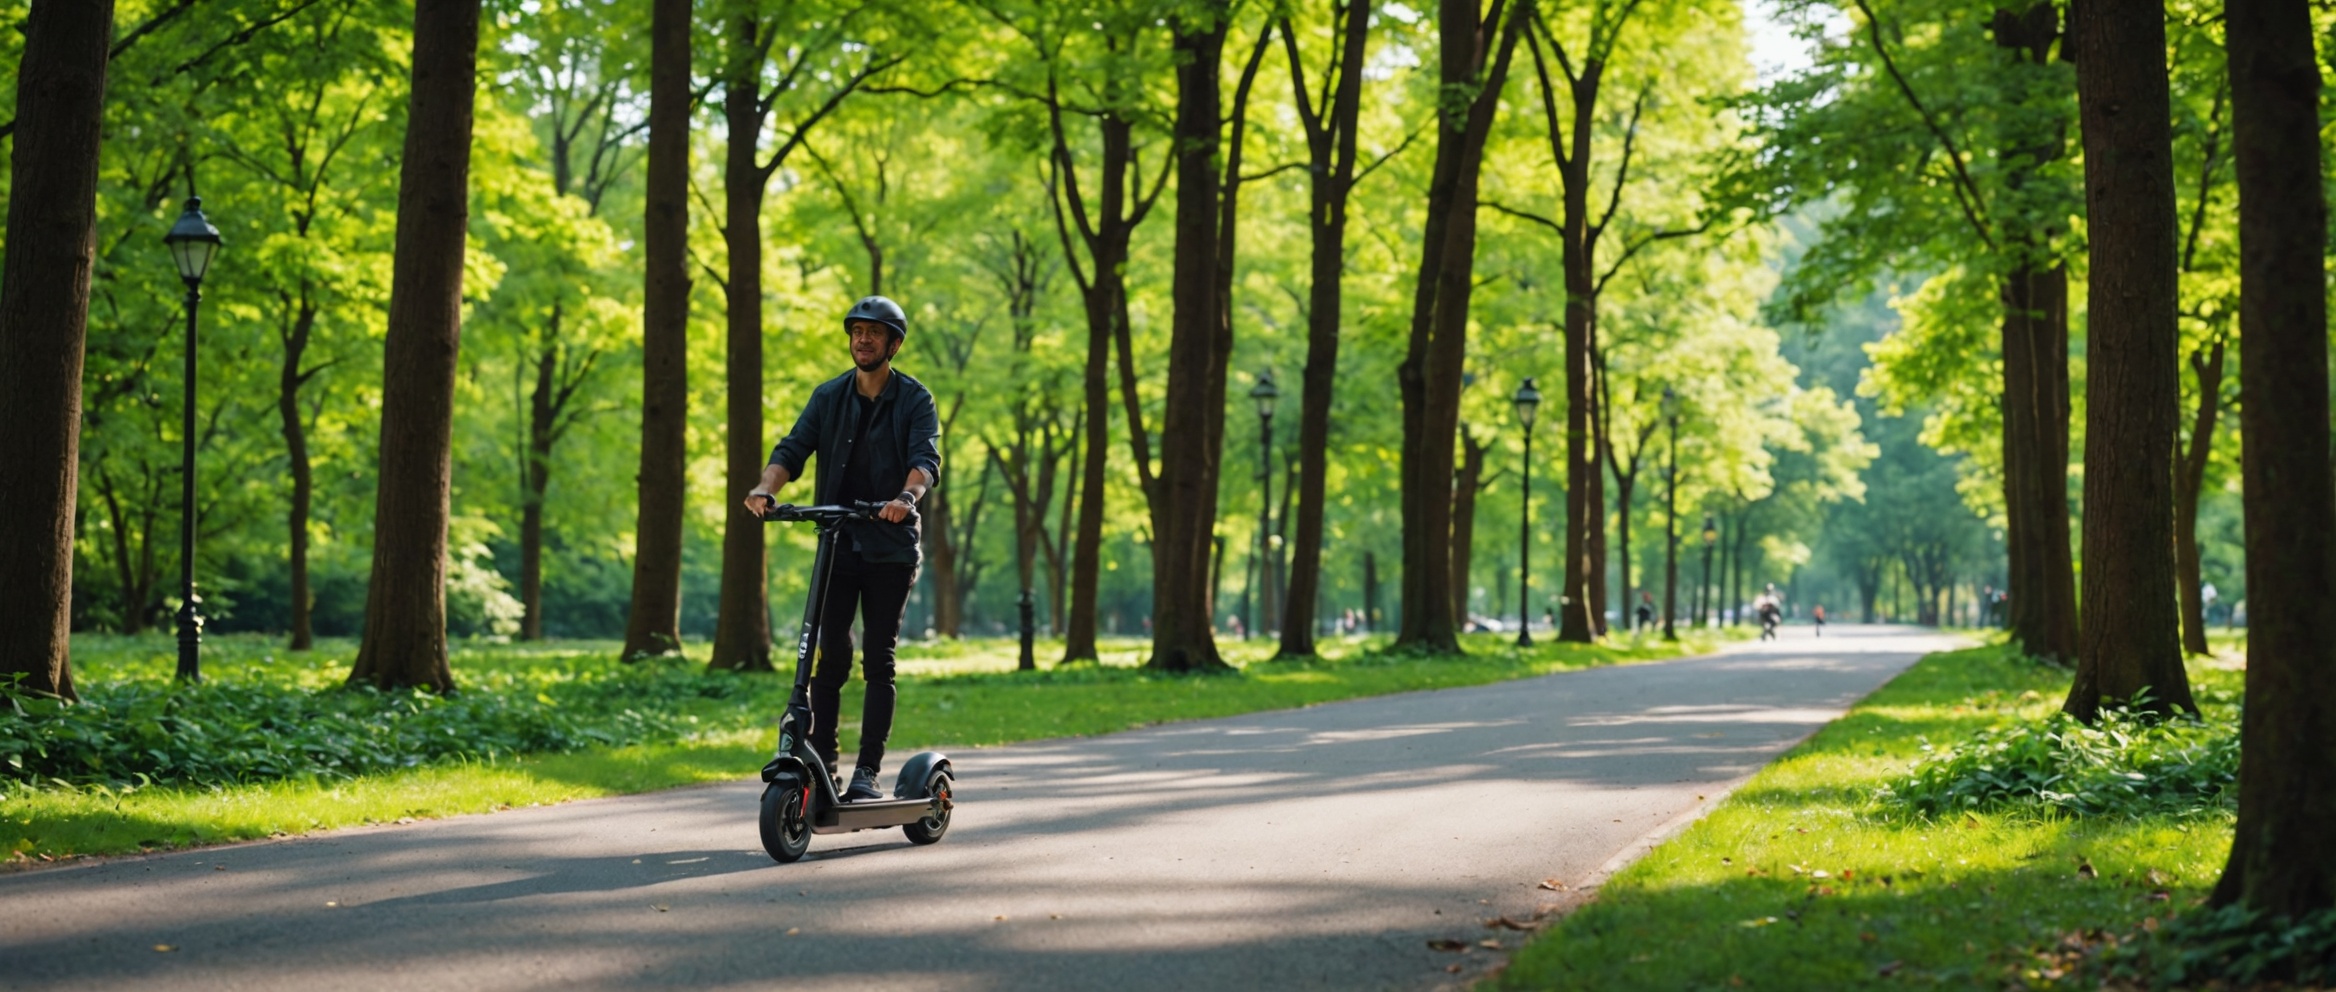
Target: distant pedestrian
x=1646 y=609
x=1817 y=614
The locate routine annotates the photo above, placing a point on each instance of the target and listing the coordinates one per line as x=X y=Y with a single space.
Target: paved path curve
x=1314 y=848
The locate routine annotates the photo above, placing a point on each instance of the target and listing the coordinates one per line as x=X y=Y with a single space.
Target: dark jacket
x=904 y=433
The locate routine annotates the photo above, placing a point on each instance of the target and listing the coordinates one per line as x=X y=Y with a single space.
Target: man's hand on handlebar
x=760 y=504
x=895 y=511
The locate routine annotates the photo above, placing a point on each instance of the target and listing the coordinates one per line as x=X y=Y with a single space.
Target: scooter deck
x=843 y=818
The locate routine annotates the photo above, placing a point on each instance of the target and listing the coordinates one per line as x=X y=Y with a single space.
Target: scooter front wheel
x=786 y=823
x=935 y=823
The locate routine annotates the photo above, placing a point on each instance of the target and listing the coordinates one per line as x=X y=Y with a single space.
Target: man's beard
x=871 y=366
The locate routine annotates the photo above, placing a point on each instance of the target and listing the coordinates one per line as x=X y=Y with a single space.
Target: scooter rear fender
x=911 y=782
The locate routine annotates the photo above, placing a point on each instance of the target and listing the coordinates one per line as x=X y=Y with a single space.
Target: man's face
x=872 y=344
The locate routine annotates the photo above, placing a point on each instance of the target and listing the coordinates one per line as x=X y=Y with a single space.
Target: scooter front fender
x=789 y=765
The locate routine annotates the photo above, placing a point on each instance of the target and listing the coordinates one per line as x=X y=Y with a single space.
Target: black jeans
x=880 y=592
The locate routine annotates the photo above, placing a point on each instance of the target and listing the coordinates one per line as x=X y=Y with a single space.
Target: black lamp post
x=1264 y=395
x=193 y=243
x=1528 y=400
x=1671 y=520
x=1704 y=592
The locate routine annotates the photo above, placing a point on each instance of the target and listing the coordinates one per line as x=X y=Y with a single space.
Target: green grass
x=953 y=694
x=1803 y=879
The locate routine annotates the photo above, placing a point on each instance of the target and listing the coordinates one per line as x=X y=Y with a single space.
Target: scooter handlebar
x=824 y=513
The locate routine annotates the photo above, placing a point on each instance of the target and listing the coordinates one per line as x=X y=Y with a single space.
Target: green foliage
x=2128 y=764
x=2229 y=945
x=257 y=726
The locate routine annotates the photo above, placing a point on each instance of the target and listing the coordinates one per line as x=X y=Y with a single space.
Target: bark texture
x=2189 y=478
x=742 y=624
x=1473 y=58
x=1200 y=343
x=1330 y=155
x=2281 y=862
x=405 y=604
x=2133 y=642
x=2035 y=455
x=294 y=425
x=653 y=624
x=44 y=317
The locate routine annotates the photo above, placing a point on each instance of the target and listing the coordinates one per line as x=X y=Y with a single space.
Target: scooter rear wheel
x=929 y=830
x=786 y=825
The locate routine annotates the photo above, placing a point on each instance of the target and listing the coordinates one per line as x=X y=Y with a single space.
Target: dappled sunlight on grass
x=1802 y=878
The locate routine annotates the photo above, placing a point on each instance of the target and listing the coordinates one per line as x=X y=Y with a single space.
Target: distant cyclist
x=1770 y=608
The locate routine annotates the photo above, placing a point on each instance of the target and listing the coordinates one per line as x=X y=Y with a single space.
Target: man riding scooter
x=877 y=434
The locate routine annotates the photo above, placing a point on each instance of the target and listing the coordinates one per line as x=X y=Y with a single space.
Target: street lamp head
x=1670 y=402
x=1264 y=394
x=1528 y=400
x=193 y=242
x=1711 y=529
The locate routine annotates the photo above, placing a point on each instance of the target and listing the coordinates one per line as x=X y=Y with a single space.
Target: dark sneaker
x=863 y=786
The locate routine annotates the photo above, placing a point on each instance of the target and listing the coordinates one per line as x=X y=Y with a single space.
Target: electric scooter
x=802 y=796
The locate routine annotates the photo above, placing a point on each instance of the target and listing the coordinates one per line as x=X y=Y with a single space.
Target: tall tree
x=2133 y=643
x=1192 y=433
x=818 y=50
x=1112 y=99
x=653 y=624
x=577 y=72
x=315 y=133
x=405 y=607
x=1474 y=49
x=44 y=316
x=2281 y=862
x=1330 y=121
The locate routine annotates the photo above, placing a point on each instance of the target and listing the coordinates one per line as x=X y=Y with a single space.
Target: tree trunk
x=2134 y=642
x=2036 y=412
x=44 y=316
x=1191 y=436
x=1105 y=299
x=534 y=480
x=1330 y=140
x=2281 y=862
x=653 y=623
x=1087 y=545
x=1580 y=465
x=941 y=554
x=742 y=628
x=2189 y=478
x=1429 y=378
x=295 y=429
x=1465 y=485
x=405 y=604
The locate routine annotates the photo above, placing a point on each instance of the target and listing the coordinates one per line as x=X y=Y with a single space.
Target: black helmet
x=882 y=311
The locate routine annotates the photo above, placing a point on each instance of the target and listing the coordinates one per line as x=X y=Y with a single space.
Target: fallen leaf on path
x=1504 y=923
x=1452 y=969
x=1553 y=885
x=1448 y=945
x=660 y=907
x=164 y=948
x=791 y=931
x=1489 y=942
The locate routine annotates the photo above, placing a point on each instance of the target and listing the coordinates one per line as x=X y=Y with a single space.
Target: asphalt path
x=1325 y=847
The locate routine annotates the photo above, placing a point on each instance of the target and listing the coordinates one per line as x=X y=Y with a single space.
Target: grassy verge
x=952 y=695
x=1804 y=879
